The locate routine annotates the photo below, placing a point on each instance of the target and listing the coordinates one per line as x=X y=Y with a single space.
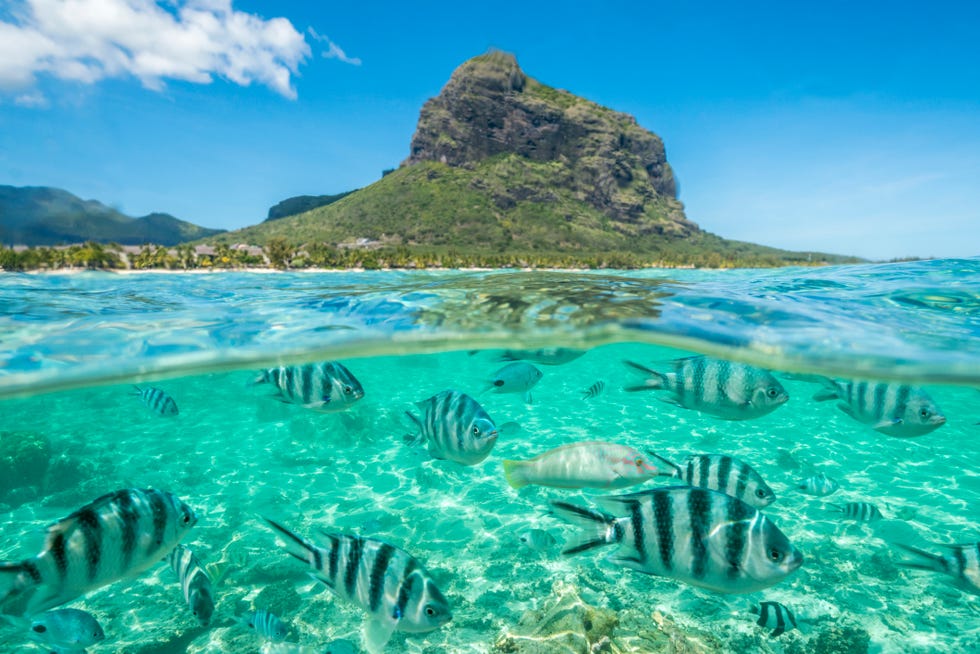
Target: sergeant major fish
x=860 y=511
x=726 y=474
x=456 y=428
x=819 y=485
x=194 y=581
x=774 y=616
x=266 y=624
x=391 y=585
x=724 y=389
x=157 y=400
x=589 y=464
x=594 y=390
x=66 y=630
x=118 y=535
x=517 y=377
x=694 y=535
x=894 y=409
x=327 y=386
x=961 y=562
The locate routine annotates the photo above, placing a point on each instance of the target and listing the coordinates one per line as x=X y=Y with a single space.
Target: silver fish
x=726 y=474
x=517 y=377
x=538 y=540
x=860 y=511
x=388 y=583
x=267 y=625
x=694 y=535
x=594 y=390
x=157 y=400
x=194 y=581
x=66 y=629
x=116 y=536
x=589 y=464
x=456 y=427
x=894 y=409
x=820 y=485
x=548 y=356
x=724 y=389
x=775 y=616
x=327 y=386
x=961 y=562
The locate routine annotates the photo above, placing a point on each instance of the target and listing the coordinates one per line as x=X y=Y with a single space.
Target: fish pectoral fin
x=669 y=399
x=848 y=410
x=888 y=423
x=527 y=397
x=377 y=633
x=509 y=428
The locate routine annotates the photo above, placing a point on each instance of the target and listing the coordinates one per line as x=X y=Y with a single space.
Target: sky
x=843 y=127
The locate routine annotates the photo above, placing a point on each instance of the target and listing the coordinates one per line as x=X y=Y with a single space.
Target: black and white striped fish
x=66 y=630
x=594 y=390
x=961 y=562
x=327 y=386
x=726 y=474
x=118 y=535
x=724 y=389
x=819 y=485
x=267 y=625
x=894 y=409
x=775 y=616
x=860 y=511
x=157 y=400
x=456 y=427
x=194 y=581
x=390 y=584
x=694 y=535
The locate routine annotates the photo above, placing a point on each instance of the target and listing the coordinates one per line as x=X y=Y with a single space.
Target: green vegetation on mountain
x=505 y=169
x=49 y=216
x=302 y=203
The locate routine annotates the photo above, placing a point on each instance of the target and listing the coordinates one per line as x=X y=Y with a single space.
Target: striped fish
x=66 y=630
x=775 y=616
x=456 y=427
x=961 y=562
x=327 y=386
x=894 y=409
x=118 y=535
x=194 y=581
x=390 y=584
x=820 y=485
x=267 y=625
x=594 y=390
x=726 y=474
x=157 y=400
x=860 y=511
x=724 y=389
x=694 y=535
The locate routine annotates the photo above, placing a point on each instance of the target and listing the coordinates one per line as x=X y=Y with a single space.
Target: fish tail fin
x=675 y=469
x=296 y=546
x=261 y=378
x=925 y=561
x=599 y=528
x=15 y=578
x=513 y=473
x=655 y=381
x=828 y=392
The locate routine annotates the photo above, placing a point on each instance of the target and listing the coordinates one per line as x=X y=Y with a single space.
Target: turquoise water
x=72 y=346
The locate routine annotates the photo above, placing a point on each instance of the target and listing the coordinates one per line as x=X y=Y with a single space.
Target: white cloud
x=334 y=51
x=32 y=99
x=189 y=40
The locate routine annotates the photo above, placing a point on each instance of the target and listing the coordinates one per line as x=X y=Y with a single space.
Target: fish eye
x=924 y=412
x=772 y=392
x=429 y=611
x=476 y=430
x=775 y=555
x=39 y=628
x=348 y=390
x=760 y=492
x=639 y=462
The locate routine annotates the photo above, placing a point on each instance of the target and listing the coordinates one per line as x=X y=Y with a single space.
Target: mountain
x=302 y=203
x=39 y=215
x=503 y=166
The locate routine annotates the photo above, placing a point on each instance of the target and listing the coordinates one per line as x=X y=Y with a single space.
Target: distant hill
x=39 y=215
x=301 y=204
x=501 y=164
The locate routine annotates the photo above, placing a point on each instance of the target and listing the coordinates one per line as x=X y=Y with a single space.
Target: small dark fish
x=267 y=625
x=66 y=630
x=775 y=616
x=594 y=390
x=538 y=540
x=860 y=511
x=157 y=401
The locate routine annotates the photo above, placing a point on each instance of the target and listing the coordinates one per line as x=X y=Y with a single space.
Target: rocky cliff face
x=490 y=107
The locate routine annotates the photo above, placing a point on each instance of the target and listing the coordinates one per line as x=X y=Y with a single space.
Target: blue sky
x=837 y=126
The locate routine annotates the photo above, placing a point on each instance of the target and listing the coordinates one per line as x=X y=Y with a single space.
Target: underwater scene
x=492 y=461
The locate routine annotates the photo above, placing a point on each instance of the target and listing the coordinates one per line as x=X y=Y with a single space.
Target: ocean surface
x=73 y=346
